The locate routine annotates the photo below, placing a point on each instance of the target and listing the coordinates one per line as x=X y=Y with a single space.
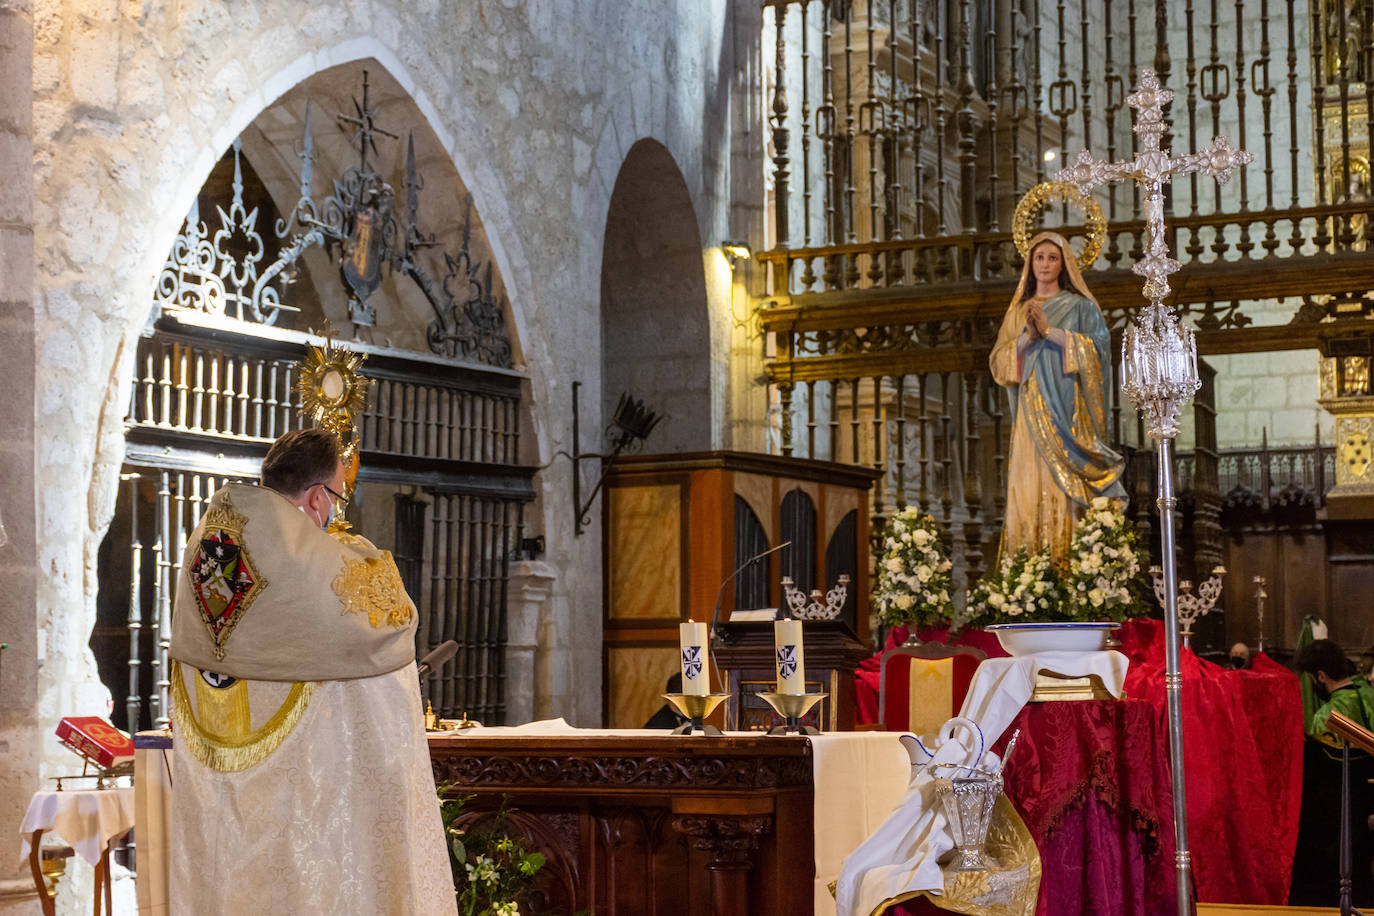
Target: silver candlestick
x=825 y=606
x=1260 y=595
x=1159 y=373
x=1191 y=607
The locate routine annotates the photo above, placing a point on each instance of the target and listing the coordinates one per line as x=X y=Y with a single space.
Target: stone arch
x=271 y=142
x=655 y=322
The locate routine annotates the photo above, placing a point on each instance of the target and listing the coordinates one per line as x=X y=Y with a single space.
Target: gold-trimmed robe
x=301 y=774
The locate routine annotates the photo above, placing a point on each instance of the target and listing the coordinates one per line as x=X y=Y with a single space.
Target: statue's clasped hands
x=1037 y=325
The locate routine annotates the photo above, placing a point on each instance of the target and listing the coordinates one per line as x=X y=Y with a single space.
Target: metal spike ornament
x=1159 y=373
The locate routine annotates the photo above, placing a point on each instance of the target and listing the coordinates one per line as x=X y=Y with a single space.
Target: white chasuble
x=301 y=779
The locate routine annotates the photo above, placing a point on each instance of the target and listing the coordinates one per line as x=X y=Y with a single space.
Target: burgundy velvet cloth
x=1091 y=780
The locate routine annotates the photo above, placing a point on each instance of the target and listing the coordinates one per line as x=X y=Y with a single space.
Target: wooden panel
x=645 y=548
x=636 y=677
x=757 y=491
x=645 y=826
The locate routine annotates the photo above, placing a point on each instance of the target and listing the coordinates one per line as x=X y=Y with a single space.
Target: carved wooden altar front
x=650 y=825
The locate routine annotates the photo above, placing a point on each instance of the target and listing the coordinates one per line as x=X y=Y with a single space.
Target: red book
x=96 y=740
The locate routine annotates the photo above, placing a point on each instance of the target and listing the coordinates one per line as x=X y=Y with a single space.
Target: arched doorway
x=215 y=376
x=655 y=333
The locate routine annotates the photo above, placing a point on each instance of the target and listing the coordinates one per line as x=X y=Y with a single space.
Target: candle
x=791 y=655
x=696 y=669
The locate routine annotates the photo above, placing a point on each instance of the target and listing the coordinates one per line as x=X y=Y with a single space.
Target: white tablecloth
x=1001 y=686
x=87 y=819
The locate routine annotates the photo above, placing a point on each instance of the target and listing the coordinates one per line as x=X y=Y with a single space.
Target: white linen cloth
x=342 y=818
x=902 y=855
x=1001 y=686
x=859 y=777
x=86 y=818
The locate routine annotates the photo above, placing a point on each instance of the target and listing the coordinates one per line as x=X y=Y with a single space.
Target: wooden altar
x=650 y=825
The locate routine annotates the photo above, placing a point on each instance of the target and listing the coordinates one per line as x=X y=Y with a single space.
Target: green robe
x=1355 y=701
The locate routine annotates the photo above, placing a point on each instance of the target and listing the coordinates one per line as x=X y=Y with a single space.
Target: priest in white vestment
x=301 y=778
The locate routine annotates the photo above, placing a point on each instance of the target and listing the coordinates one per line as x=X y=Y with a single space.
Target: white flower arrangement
x=1097 y=579
x=1022 y=588
x=1102 y=565
x=913 y=585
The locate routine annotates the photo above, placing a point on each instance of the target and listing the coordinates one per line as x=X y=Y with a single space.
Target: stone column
x=20 y=741
x=531 y=584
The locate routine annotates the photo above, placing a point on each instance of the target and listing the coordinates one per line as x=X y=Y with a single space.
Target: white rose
x=893 y=564
x=1096 y=596
x=996 y=600
x=904 y=602
x=923 y=573
x=1100 y=502
x=921 y=537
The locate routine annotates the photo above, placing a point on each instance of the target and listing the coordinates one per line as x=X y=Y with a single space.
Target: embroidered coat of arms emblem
x=691 y=662
x=787 y=661
x=223 y=579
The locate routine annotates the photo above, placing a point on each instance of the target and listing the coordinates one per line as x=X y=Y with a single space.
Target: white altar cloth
x=1001 y=686
x=86 y=818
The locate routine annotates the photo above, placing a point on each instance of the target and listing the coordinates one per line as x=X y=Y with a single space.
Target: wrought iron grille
x=205 y=406
x=901 y=134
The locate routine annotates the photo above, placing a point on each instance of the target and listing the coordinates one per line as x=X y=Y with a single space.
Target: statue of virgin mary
x=1052 y=356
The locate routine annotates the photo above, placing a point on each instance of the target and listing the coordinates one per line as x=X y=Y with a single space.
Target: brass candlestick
x=696 y=707
x=792 y=707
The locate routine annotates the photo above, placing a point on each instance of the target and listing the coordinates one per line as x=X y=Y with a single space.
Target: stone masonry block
x=93 y=67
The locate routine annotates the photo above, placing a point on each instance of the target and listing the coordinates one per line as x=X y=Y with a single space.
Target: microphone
x=730 y=578
x=437 y=656
x=712 y=635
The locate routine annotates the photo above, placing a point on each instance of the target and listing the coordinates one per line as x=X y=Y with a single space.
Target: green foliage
x=492 y=870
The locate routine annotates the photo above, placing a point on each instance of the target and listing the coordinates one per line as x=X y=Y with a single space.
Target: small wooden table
x=87 y=819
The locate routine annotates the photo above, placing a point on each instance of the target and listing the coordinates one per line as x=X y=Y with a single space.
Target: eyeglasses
x=339 y=497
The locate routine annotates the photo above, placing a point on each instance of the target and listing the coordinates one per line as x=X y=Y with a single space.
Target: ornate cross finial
x=1152 y=168
x=365 y=123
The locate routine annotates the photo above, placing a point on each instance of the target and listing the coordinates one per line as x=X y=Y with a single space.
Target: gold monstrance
x=333 y=393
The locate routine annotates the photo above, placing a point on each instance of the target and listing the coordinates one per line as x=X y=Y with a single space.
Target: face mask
x=327 y=522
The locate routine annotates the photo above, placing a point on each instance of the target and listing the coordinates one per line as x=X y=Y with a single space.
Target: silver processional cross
x=1159 y=373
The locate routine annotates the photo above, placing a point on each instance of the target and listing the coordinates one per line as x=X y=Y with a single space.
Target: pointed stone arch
x=655 y=323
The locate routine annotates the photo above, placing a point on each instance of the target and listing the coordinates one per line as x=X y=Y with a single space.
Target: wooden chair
x=920 y=685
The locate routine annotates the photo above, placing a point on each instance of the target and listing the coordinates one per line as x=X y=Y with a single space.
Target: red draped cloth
x=1242 y=753
x=1091 y=779
x=866 y=677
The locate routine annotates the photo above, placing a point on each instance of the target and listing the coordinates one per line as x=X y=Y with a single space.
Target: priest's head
x=305 y=466
x=1328 y=665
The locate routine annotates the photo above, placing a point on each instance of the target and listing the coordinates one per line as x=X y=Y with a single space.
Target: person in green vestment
x=1345 y=693
x=1315 y=863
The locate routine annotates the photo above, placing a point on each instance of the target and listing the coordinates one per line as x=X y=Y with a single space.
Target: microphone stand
x=713 y=635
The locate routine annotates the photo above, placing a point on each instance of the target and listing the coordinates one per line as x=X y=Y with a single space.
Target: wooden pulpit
x=677 y=526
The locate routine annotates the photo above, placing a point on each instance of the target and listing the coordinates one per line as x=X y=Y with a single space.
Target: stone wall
x=537 y=103
x=19 y=664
